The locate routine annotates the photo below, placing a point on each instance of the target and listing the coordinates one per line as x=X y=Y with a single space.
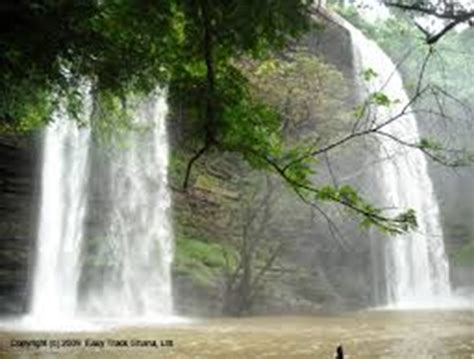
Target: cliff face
x=333 y=43
x=316 y=270
x=18 y=201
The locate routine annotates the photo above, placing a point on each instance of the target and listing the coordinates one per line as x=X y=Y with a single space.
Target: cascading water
x=61 y=223
x=416 y=266
x=137 y=248
x=137 y=283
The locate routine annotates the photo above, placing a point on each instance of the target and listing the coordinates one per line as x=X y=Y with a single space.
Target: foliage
x=305 y=91
x=125 y=46
x=255 y=251
x=191 y=47
x=177 y=164
x=202 y=251
x=465 y=255
x=301 y=87
x=199 y=258
x=48 y=47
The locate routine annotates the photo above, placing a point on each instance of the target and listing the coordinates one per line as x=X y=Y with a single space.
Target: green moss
x=465 y=255
x=206 y=182
x=207 y=253
x=213 y=185
x=177 y=165
x=200 y=259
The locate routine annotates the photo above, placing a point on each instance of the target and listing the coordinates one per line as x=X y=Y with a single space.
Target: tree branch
x=455 y=17
x=210 y=93
x=193 y=159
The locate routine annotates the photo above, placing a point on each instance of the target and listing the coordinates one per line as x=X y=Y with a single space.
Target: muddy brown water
x=368 y=334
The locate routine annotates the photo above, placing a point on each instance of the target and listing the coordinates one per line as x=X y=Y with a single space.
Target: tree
x=125 y=47
x=256 y=251
x=47 y=48
x=307 y=93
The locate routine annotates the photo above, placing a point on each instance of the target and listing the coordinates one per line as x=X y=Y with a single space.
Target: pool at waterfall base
x=369 y=334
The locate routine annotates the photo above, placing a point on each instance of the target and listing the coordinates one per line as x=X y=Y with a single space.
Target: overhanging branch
x=453 y=16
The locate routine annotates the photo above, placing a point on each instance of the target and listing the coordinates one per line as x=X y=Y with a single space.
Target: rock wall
x=18 y=202
x=316 y=270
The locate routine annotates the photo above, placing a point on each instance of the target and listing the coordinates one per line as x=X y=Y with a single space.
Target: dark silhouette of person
x=339 y=352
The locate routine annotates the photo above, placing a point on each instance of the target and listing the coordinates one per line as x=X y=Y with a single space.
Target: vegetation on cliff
x=238 y=75
x=190 y=47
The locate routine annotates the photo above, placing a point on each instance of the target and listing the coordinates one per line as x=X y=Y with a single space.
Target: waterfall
x=136 y=245
x=61 y=221
x=416 y=265
x=139 y=240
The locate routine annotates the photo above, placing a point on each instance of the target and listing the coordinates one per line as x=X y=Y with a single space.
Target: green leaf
x=369 y=74
x=380 y=99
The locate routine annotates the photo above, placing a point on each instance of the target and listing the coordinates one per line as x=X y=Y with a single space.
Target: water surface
x=372 y=334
